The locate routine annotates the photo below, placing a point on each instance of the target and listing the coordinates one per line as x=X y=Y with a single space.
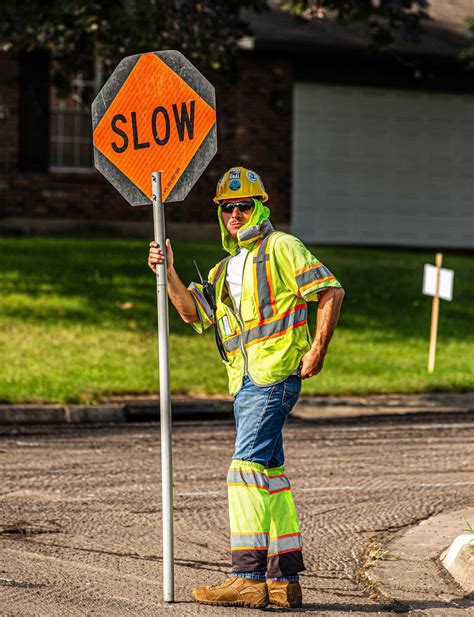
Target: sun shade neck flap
x=255 y=228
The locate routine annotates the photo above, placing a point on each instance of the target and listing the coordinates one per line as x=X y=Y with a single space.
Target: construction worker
x=260 y=314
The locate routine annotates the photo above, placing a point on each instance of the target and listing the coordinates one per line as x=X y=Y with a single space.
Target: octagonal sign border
x=183 y=68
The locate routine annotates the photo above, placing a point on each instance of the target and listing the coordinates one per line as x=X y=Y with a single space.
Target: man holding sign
x=257 y=302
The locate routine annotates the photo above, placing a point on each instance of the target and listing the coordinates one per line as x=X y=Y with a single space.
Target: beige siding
x=374 y=166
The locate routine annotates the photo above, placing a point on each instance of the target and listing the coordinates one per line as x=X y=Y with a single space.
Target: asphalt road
x=80 y=523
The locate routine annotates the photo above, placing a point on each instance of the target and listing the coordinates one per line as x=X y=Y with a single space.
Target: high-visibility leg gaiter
x=249 y=512
x=285 y=548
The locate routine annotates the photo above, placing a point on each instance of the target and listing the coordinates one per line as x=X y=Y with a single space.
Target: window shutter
x=34 y=111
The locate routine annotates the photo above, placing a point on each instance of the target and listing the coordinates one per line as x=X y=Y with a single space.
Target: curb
x=109 y=414
x=319 y=409
x=459 y=561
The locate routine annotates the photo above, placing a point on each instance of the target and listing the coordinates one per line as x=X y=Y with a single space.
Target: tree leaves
x=75 y=32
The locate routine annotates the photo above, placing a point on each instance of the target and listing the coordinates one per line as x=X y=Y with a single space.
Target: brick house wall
x=254 y=130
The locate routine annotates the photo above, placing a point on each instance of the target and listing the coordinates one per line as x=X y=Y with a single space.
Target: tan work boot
x=284 y=593
x=234 y=591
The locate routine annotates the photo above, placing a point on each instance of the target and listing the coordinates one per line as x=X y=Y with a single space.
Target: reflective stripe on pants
x=264 y=526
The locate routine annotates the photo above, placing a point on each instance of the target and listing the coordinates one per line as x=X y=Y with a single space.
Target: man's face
x=236 y=217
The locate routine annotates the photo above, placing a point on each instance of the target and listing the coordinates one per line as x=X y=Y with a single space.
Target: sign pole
x=156 y=111
x=165 y=400
x=435 y=315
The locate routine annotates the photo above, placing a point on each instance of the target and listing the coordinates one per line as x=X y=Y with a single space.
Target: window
x=70 y=138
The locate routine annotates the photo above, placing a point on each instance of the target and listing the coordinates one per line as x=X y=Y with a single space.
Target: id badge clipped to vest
x=225 y=326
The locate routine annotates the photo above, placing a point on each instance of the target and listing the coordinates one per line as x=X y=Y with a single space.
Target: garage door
x=386 y=167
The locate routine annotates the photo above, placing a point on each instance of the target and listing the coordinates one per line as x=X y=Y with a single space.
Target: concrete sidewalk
x=136 y=409
x=410 y=575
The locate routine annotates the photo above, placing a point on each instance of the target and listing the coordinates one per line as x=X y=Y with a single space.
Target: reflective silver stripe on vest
x=265 y=307
x=278 y=483
x=312 y=275
x=249 y=540
x=299 y=317
x=285 y=543
x=237 y=476
x=194 y=289
x=232 y=343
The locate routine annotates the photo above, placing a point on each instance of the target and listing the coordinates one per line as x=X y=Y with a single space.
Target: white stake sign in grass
x=154 y=127
x=437 y=282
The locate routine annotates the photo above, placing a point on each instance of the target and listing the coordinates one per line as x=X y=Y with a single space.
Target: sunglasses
x=243 y=206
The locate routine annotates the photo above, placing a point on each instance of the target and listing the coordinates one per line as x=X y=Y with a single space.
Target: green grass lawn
x=78 y=323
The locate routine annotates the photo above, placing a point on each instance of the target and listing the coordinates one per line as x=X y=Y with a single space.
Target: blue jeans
x=260 y=413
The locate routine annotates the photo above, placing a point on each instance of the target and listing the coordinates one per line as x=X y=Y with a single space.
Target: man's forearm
x=326 y=319
x=181 y=297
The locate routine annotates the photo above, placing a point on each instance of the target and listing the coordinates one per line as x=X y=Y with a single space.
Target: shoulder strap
x=266 y=301
x=265 y=245
x=219 y=270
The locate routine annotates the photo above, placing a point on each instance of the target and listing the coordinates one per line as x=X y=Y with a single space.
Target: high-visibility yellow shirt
x=268 y=335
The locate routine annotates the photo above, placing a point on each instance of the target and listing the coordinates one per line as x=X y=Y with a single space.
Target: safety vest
x=268 y=335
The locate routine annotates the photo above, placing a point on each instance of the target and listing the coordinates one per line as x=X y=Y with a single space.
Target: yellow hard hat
x=240 y=182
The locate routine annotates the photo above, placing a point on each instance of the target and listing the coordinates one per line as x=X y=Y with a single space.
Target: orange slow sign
x=156 y=122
